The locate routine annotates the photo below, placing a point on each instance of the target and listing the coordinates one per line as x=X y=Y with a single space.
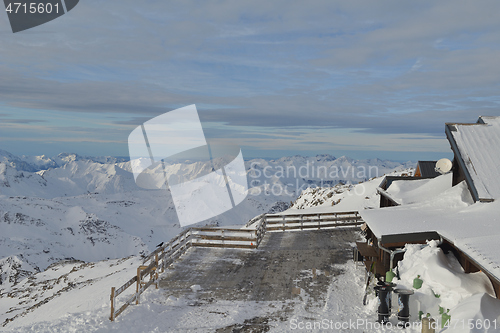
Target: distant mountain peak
x=325 y=158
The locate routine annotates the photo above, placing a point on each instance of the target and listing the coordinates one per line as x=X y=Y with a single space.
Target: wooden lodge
x=470 y=232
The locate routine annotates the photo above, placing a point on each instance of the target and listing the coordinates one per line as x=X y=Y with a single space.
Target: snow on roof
x=479 y=148
x=473 y=228
x=491 y=120
x=413 y=191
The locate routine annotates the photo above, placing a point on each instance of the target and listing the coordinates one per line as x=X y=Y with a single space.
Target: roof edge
x=410 y=237
x=456 y=151
x=387 y=195
x=495 y=277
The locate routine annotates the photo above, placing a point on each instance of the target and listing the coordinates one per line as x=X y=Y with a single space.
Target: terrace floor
x=288 y=267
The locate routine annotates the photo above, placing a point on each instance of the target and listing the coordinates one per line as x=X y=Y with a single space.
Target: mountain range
x=72 y=207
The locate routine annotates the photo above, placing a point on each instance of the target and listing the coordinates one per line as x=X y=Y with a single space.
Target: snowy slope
x=341 y=198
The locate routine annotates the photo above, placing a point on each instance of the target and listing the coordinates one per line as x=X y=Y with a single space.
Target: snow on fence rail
x=246 y=238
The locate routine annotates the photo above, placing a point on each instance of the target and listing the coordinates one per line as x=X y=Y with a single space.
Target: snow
x=84 y=305
x=63 y=290
x=442 y=275
x=477 y=144
x=408 y=192
x=195 y=287
x=91 y=211
x=473 y=228
x=480 y=311
x=446 y=286
x=341 y=197
x=80 y=301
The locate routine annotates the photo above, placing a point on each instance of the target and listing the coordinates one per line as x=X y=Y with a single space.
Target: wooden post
x=163 y=255
x=138 y=287
x=319 y=221
x=156 y=271
x=283 y=223
x=112 y=317
x=301 y=222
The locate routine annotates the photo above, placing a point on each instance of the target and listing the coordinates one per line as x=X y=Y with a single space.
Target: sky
x=364 y=79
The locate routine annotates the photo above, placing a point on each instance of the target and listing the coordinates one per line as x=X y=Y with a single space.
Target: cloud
x=22 y=121
x=382 y=68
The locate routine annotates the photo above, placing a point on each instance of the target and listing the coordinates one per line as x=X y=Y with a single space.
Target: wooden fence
x=158 y=260
x=249 y=237
x=280 y=222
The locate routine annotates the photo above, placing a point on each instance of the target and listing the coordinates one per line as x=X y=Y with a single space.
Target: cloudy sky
x=358 y=78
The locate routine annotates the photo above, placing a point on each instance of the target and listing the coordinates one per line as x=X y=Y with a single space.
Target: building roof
x=472 y=228
x=427 y=168
x=419 y=189
x=405 y=190
x=477 y=149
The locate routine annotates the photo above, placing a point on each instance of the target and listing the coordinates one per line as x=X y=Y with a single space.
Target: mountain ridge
x=84 y=209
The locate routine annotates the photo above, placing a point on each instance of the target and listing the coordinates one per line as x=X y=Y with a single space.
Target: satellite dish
x=443 y=166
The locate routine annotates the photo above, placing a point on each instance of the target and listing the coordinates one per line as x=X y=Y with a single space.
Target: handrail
x=166 y=254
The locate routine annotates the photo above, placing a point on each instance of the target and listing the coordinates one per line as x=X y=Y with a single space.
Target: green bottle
x=445 y=319
x=417 y=282
x=389 y=275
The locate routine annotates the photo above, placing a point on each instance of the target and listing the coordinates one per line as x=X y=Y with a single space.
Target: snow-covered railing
x=248 y=237
x=283 y=222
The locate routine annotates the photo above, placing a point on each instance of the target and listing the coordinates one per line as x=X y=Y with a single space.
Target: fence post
x=283 y=223
x=156 y=271
x=138 y=287
x=163 y=263
x=112 y=317
x=301 y=222
x=319 y=221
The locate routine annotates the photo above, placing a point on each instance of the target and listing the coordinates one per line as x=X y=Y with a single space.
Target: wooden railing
x=281 y=222
x=249 y=237
x=158 y=260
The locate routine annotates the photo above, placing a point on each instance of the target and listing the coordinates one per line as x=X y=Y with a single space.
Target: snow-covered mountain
x=42 y=162
x=84 y=208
